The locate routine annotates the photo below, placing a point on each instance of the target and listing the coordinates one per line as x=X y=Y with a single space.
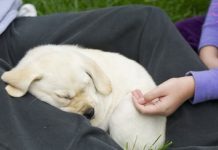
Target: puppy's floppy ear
x=101 y=81
x=19 y=81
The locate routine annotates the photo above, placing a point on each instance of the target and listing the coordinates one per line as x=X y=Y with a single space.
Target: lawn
x=176 y=9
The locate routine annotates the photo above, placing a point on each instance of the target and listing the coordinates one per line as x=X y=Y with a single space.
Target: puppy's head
x=69 y=81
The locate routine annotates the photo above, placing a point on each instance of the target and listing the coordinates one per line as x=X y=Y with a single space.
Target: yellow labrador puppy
x=92 y=83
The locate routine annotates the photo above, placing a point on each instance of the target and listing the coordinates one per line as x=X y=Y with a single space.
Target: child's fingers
x=138 y=96
x=154 y=94
x=151 y=108
x=155 y=107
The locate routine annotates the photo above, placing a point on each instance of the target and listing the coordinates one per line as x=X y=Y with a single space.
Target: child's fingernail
x=140 y=93
x=134 y=93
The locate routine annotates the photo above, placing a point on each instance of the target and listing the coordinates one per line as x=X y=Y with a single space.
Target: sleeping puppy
x=92 y=83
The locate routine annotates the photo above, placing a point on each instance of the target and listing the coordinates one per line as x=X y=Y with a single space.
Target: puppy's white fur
x=75 y=79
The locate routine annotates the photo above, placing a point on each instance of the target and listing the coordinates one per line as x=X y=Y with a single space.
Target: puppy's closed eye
x=64 y=95
x=67 y=97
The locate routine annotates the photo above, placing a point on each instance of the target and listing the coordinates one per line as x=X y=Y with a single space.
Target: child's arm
x=209 y=38
x=168 y=96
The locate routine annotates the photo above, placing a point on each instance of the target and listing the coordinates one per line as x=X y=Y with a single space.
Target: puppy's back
x=127 y=125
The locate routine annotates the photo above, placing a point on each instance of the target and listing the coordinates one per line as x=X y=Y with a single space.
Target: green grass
x=165 y=146
x=176 y=9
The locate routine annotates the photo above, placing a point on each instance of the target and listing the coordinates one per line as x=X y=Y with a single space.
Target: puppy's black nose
x=89 y=113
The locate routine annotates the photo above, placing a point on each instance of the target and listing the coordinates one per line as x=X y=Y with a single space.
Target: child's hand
x=166 y=98
x=209 y=55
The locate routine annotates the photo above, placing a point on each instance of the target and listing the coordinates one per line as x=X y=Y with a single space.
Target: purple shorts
x=191 y=30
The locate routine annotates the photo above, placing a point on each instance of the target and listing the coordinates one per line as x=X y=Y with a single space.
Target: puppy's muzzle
x=89 y=113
